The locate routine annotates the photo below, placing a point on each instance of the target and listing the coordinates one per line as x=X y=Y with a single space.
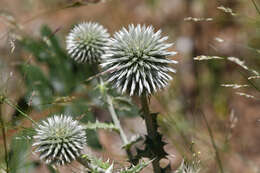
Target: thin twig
x=4 y=138
x=213 y=143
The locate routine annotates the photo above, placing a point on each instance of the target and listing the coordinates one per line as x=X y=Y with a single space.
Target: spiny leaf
x=137 y=168
x=97 y=165
x=153 y=149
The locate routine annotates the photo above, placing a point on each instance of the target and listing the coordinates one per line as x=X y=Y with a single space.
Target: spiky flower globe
x=59 y=139
x=137 y=60
x=86 y=41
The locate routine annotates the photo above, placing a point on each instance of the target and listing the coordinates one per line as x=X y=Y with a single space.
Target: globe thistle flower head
x=59 y=139
x=86 y=41
x=137 y=60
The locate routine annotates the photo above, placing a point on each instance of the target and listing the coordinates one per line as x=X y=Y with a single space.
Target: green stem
x=113 y=114
x=4 y=138
x=151 y=130
x=115 y=119
x=118 y=125
x=213 y=144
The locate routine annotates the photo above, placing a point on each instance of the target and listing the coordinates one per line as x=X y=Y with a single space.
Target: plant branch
x=151 y=130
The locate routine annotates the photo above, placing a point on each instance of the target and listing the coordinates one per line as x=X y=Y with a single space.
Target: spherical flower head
x=86 y=41
x=59 y=139
x=137 y=60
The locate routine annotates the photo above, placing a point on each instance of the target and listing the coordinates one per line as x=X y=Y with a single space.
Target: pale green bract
x=59 y=139
x=86 y=41
x=136 y=60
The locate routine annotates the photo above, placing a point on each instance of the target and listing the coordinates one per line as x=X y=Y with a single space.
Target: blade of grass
x=213 y=143
x=256 y=7
x=8 y=102
x=4 y=138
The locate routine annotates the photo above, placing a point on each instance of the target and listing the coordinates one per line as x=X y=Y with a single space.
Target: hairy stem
x=4 y=138
x=213 y=144
x=116 y=120
x=118 y=125
x=151 y=130
x=113 y=114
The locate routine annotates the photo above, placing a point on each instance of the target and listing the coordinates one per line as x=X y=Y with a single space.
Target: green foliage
x=39 y=88
x=54 y=85
x=63 y=75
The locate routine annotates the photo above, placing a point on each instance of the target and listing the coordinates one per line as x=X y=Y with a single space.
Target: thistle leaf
x=137 y=168
x=97 y=165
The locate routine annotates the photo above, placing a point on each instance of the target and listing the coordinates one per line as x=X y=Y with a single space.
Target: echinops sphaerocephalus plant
x=137 y=60
x=86 y=42
x=59 y=139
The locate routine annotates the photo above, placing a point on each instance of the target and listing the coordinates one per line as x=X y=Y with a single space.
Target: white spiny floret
x=137 y=60
x=86 y=41
x=59 y=139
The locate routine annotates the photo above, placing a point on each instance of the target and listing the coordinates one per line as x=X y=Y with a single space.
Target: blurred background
x=37 y=75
